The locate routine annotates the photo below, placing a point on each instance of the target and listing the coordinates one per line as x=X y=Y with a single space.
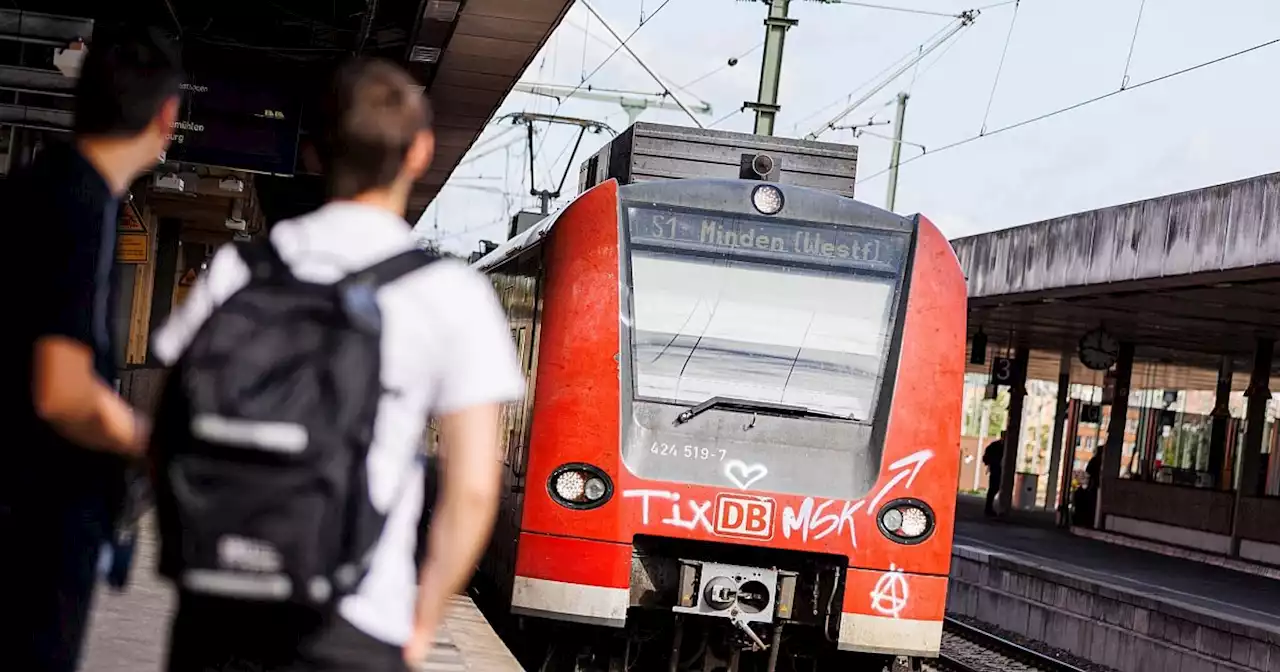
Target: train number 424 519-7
x=686 y=451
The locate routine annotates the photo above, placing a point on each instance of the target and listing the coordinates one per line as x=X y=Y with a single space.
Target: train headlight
x=570 y=485
x=914 y=522
x=892 y=519
x=594 y=489
x=579 y=486
x=767 y=199
x=906 y=521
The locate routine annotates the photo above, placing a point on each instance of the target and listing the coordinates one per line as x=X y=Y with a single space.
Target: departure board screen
x=238 y=123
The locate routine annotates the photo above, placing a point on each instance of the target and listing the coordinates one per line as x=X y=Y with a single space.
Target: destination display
x=241 y=124
x=882 y=251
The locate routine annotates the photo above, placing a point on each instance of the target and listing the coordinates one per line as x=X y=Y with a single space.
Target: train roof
x=521 y=242
x=534 y=234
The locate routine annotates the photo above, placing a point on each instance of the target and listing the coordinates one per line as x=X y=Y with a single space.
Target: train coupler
x=756 y=643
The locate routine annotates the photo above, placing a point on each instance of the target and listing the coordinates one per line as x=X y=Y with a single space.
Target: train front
x=782 y=464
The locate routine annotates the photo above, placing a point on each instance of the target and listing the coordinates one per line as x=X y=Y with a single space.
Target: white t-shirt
x=445 y=347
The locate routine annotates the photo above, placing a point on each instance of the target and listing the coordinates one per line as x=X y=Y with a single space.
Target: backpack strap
x=393 y=268
x=263 y=260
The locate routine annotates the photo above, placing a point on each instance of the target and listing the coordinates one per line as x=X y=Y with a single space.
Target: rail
x=966 y=648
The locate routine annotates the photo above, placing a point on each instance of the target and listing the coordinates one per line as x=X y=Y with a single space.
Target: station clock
x=1099 y=350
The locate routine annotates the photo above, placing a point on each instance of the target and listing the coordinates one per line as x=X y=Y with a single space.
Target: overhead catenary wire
x=474 y=229
x=927 y=68
x=915 y=70
x=489 y=147
x=1083 y=103
x=721 y=68
x=1000 y=68
x=1124 y=81
x=871 y=120
x=622 y=43
x=586 y=38
x=593 y=37
x=667 y=90
x=891 y=8
x=599 y=40
x=543 y=140
x=565 y=149
x=726 y=117
x=890 y=101
x=506 y=174
x=590 y=36
x=490 y=151
x=915 y=51
x=954 y=27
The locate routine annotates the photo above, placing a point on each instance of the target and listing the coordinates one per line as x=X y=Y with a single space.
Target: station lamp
x=978 y=351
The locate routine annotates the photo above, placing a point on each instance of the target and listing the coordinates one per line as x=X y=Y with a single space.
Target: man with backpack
x=287 y=440
x=993 y=457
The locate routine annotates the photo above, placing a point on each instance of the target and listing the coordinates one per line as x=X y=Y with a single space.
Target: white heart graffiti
x=743 y=475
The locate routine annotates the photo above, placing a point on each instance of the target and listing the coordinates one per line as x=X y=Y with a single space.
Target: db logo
x=744 y=516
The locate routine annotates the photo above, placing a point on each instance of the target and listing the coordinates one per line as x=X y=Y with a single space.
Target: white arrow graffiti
x=915 y=460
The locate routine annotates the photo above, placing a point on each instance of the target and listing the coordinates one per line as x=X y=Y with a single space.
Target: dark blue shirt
x=64 y=214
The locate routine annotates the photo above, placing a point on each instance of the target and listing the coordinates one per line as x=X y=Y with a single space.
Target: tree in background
x=999 y=417
x=433 y=247
x=997 y=411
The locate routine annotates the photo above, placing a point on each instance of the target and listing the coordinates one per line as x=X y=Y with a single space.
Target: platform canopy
x=1187 y=277
x=467 y=54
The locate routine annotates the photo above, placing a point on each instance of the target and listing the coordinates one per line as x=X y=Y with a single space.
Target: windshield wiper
x=770 y=407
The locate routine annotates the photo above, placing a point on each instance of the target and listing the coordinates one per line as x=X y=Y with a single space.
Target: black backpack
x=261 y=436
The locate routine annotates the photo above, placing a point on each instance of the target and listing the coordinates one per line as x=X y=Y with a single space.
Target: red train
x=740 y=442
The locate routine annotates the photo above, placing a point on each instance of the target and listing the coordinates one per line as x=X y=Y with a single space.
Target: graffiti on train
x=749 y=516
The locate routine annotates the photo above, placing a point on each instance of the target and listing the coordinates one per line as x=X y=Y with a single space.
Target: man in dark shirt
x=993 y=457
x=62 y=463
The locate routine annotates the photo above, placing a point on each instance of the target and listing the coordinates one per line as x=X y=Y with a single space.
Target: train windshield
x=761 y=310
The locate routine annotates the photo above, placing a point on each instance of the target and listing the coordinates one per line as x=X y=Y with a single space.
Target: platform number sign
x=1004 y=370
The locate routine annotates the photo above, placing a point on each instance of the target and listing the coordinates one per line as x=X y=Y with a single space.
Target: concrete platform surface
x=129 y=631
x=1213 y=591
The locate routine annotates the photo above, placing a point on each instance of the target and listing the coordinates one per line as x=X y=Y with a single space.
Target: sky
x=1215 y=124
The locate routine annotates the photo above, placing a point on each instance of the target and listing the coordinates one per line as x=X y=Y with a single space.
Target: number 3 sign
x=1003 y=370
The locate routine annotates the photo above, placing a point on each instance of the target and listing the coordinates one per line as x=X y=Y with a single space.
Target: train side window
x=517 y=284
x=519 y=409
x=531 y=278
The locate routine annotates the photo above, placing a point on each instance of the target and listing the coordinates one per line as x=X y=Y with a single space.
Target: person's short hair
x=372 y=115
x=125 y=78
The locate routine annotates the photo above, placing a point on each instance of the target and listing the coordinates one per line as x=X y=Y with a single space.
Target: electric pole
x=766 y=105
x=895 y=153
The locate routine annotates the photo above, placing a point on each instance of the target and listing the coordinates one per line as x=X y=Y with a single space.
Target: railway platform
x=129 y=631
x=1121 y=607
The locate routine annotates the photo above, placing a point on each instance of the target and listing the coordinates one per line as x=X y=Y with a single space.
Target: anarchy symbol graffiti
x=890 y=594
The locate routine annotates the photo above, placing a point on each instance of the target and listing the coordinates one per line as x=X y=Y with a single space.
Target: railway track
x=969 y=649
